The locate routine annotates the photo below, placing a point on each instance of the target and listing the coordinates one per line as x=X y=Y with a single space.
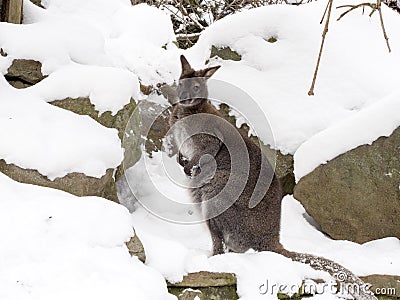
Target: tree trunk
x=11 y=11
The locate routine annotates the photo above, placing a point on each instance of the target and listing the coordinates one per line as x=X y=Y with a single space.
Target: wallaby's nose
x=184 y=95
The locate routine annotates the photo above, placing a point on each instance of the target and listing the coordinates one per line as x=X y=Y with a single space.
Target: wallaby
x=242 y=226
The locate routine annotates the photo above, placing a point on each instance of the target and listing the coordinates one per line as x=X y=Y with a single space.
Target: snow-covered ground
x=59 y=246
x=175 y=249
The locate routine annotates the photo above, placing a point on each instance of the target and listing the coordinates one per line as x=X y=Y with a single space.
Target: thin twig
x=379 y=8
x=311 y=91
x=323 y=16
x=374 y=7
x=353 y=7
x=185 y=13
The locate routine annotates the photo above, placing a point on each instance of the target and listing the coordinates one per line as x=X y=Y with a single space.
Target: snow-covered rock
x=356 y=196
x=37 y=135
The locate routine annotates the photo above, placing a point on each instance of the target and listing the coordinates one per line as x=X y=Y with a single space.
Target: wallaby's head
x=192 y=87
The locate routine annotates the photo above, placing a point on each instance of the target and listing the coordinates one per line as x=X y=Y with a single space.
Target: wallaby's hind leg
x=217 y=239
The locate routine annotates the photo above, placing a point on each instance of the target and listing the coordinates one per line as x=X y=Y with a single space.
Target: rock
x=24 y=72
x=127 y=116
x=75 y=183
x=384 y=285
x=18 y=84
x=83 y=106
x=215 y=286
x=190 y=294
x=37 y=2
x=356 y=196
x=136 y=248
x=146 y=89
x=155 y=117
x=206 y=279
x=225 y=53
x=283 y=168
x=187 y=41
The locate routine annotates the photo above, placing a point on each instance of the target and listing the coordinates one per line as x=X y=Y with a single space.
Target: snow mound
x=356 y=69
x=46 y=256
x=54 y=42
x=115 y=34
x=54 y=141
x=364 y=127
x=108 y=88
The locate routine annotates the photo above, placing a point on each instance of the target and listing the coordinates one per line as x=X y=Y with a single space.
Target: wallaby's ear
x=210 y=71
x=186 y=68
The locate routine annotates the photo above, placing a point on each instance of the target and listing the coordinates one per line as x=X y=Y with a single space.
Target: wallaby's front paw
x=182 y=160
x=188 y=169
x=191 y=169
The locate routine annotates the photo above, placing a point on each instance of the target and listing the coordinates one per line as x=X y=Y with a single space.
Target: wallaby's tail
x=346 y=279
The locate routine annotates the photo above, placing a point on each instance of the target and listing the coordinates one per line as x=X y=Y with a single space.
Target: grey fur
x=252 y=219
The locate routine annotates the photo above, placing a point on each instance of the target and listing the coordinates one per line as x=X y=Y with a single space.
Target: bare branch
x=311 y=91
x=379 y=7
x=374 y=6
x=187 y=35
x=323 y=16
x=353 y=7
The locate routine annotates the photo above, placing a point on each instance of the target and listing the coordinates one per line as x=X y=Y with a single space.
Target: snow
x=54 y=141
x=364 y=127
x=71 y=42
x=56 y=245
x=276 y=76
x=98 y=32
x=45 y=255
x=356 y=69
x=175 y=248
x=162 y=189
x=54 y=42
x=108 y=88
